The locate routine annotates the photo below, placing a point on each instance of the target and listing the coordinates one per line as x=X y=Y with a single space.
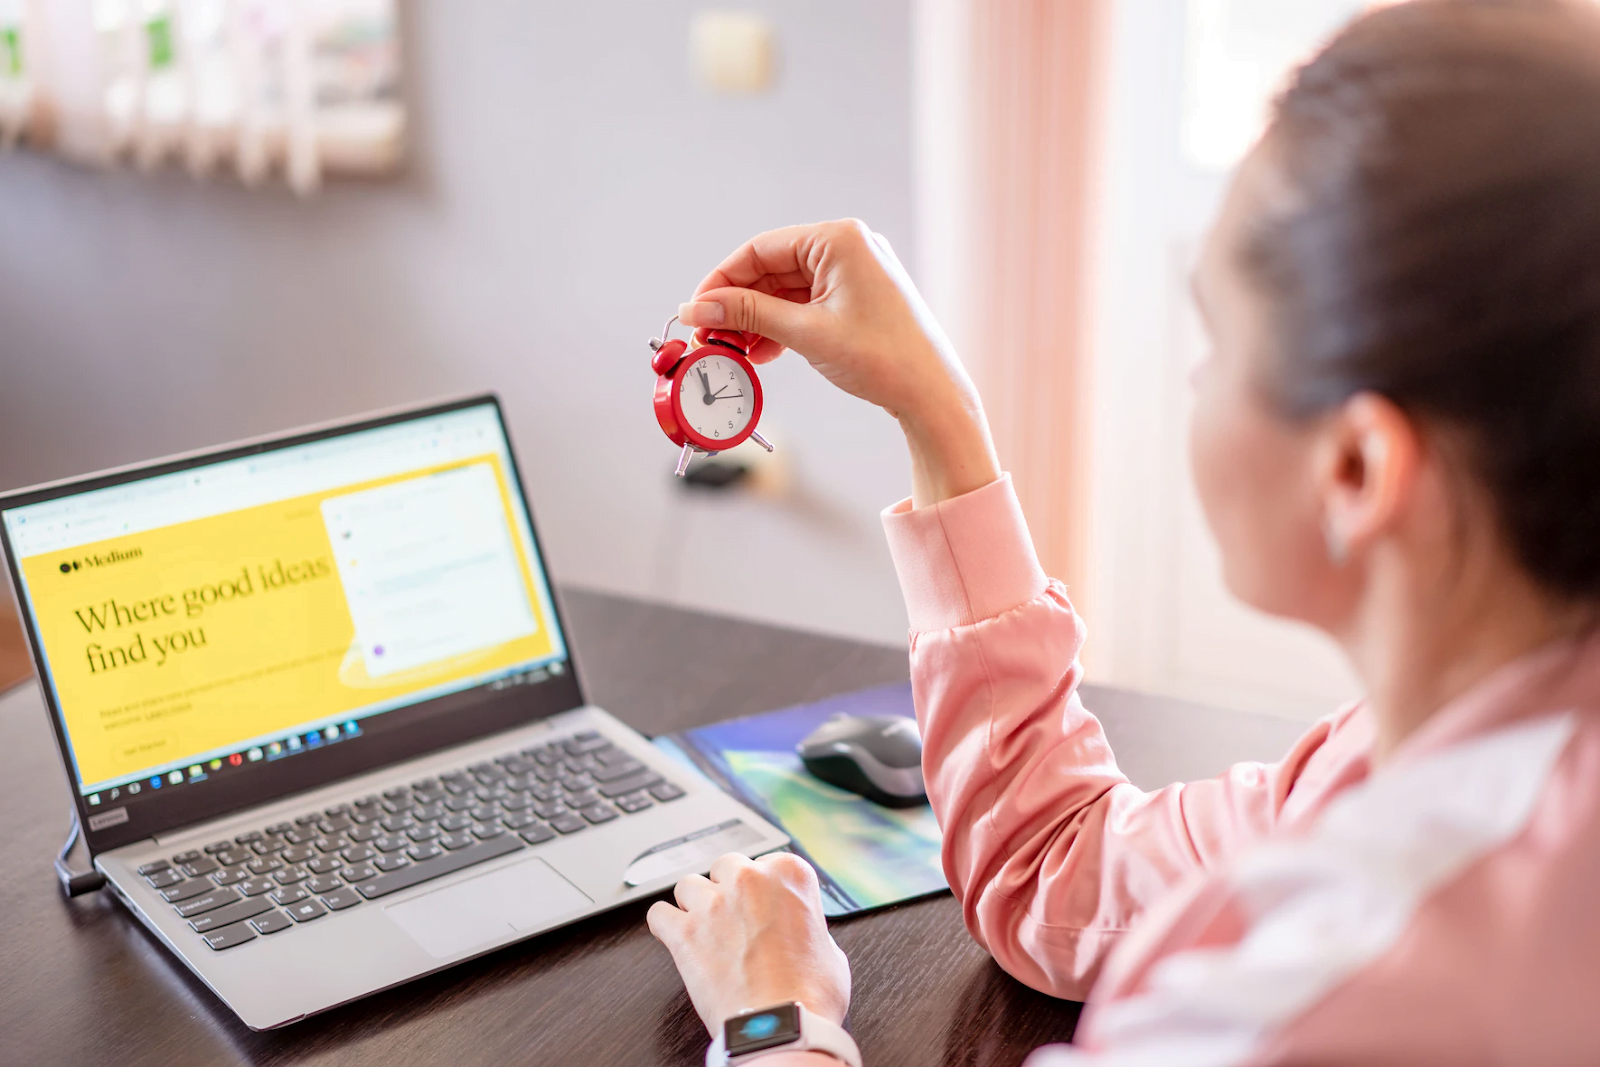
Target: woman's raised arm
x=1052 y=853
x=1049 y=848
x=835 y=293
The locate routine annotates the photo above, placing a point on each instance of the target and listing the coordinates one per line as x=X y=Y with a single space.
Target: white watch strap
x=816 y=1035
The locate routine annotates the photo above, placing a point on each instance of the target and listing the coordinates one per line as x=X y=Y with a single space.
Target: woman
x=1396 y=439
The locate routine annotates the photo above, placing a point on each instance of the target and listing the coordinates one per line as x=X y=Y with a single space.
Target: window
x=251 y=85
x=1237 y=55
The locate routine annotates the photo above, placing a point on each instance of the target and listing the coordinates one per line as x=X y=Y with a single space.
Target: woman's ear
x=1367 y=472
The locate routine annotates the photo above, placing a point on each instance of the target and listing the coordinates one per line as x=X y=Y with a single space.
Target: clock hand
x=718 y=394
x=705 y=384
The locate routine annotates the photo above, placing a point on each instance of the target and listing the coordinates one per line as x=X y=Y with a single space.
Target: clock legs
x=689 y=450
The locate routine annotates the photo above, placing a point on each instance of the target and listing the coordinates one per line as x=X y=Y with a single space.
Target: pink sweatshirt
x=1444 y=909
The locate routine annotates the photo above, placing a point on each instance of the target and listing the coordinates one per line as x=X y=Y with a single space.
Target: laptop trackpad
x=491 y=907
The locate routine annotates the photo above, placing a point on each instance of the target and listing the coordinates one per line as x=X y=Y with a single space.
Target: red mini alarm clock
x=708 y=399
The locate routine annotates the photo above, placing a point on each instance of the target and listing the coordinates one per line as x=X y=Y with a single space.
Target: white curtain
x=1008 y=101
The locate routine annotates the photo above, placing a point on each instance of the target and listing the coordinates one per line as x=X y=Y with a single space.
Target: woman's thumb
x=745 y=309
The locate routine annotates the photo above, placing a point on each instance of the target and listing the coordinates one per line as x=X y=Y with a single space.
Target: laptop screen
x=197 y=623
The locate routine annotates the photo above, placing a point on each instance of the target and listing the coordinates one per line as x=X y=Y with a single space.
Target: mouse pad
x=520 y=898
x=866 y=856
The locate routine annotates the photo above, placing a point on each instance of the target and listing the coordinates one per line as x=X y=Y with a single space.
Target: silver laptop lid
x=222 y=629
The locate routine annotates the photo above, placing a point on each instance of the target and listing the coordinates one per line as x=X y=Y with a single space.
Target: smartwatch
x=783 y=1028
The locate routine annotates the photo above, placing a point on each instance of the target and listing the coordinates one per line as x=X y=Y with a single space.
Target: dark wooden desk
x=82 y=984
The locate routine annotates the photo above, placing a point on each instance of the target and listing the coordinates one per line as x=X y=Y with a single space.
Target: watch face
x=717 y=399
x=757 y=1030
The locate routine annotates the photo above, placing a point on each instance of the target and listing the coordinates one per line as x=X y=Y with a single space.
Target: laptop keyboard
x=270 y=880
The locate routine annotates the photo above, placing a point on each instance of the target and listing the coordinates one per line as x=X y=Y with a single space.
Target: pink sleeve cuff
x=964 y=559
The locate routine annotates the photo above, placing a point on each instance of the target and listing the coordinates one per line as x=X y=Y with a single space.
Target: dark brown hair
x=1442 y=248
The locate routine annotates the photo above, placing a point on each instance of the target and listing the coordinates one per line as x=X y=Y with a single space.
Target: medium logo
x=96 y=560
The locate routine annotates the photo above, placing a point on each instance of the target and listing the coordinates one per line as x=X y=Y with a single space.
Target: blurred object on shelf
x=301 y=88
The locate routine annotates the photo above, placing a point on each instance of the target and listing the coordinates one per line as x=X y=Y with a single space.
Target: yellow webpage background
x=182 y=666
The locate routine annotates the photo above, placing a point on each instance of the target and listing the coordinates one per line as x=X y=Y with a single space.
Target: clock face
x=717 y=398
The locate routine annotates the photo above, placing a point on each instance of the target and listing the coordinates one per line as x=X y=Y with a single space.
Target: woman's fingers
x=785 y=253
x=787 y=865
x=753 y=933
x=765 y=351
x=727 y=867
x=796 y=287
x=773 y=317
x=665 y=922
x=744 y=292
x=692 y=891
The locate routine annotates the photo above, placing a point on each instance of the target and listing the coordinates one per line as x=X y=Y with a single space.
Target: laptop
x=319 y=714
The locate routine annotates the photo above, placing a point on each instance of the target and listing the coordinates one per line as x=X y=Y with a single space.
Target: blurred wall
x=568 y=186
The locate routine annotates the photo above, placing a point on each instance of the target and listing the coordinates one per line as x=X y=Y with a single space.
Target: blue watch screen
x=756 y=1030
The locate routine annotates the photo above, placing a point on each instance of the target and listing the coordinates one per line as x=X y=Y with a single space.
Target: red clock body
x=708 y=396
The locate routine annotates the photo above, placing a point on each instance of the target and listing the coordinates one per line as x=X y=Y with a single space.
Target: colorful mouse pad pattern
x=866 y=856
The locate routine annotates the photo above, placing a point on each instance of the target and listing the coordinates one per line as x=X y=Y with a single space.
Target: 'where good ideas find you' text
x=137 y=633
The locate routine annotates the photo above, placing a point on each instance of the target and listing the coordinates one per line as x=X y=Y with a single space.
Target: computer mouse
x=876 y=756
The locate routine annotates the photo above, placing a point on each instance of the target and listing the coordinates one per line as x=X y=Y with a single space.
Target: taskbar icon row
x=288 y=745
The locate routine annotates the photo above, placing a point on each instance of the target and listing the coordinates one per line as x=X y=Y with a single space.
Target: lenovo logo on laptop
x=114 y=817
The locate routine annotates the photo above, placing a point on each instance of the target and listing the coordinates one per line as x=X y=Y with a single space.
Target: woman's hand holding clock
x=835 y=293
x=753 y=934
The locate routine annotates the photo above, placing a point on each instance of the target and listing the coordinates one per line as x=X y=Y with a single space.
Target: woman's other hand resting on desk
x=752 y=936
x=835 y=293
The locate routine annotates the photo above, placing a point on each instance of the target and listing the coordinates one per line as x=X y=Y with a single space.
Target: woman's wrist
x=951 y=450
x=808 y=1038
x=824 y=1006
x=818 y=1002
